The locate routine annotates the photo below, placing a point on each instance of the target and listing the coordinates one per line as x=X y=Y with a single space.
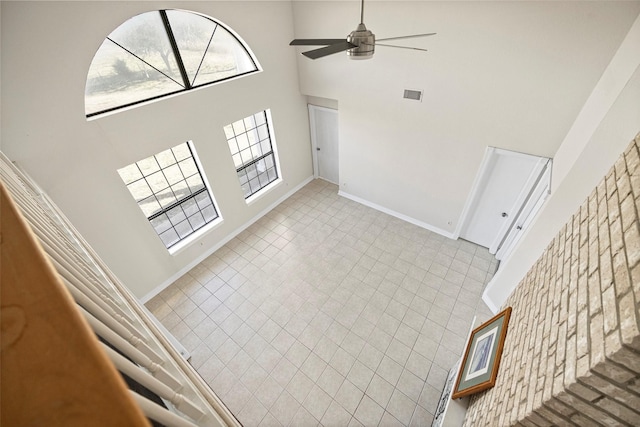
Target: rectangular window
x=171 y=191
x=252 y=150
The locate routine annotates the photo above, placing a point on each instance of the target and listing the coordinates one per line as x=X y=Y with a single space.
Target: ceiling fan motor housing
x=365 y=42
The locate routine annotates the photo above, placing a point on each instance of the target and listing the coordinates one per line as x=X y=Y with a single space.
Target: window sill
x=192 y=238
x=252 y=199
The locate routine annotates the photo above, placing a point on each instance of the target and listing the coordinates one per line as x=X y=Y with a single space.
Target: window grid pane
x=170 y=191
x=251 y=148
x=137 y=63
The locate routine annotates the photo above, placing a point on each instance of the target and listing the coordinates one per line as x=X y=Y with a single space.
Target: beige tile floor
x=327 y=312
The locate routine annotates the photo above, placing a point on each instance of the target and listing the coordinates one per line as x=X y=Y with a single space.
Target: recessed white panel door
x=503 y=187
x=324 y=141
x=527 y=213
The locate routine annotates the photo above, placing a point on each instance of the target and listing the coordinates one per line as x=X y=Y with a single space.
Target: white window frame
x=198 y=232
x=276 y=160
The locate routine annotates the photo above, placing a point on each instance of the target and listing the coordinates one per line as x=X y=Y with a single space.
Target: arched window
x=160 y=53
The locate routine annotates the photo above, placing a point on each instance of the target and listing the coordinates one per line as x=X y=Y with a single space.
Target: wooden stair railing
x=72 y=333
x=53 y=371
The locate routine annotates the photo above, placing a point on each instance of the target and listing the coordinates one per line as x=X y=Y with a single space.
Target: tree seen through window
x=160 y=53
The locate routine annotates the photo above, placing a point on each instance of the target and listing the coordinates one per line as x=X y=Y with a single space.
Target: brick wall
x=572 y=353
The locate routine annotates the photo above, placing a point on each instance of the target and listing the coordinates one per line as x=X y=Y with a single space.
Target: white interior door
x=533 y=204
x=504 y=185
x=324 y=142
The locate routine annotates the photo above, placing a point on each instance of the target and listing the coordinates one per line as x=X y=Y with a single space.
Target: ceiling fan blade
x=407 y=37
x=329 y=50
x=315 y=42
x=401 y=47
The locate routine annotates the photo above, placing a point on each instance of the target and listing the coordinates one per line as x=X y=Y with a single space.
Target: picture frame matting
x=481 y=360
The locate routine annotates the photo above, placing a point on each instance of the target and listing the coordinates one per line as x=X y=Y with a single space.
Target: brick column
x=572 y=353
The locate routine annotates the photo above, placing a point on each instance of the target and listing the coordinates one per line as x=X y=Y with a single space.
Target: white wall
x=605 y=127
x=508 y=74
x=46 y=51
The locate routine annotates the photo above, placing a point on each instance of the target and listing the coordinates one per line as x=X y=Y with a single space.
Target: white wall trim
x=321 y=108
x=489 y=302
x=223 y=242
x=397 y=215
x=475 y=191
x=314 y=140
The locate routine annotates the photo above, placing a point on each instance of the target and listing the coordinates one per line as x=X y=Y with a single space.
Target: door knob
x=504 y=215
x=317 y=148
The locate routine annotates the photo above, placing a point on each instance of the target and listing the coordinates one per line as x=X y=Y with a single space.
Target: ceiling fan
x=359 y=44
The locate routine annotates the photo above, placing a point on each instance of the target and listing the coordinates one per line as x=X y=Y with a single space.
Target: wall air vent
x=416 y=95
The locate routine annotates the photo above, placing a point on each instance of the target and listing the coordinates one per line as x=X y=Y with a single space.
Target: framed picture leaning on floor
x=481 y=359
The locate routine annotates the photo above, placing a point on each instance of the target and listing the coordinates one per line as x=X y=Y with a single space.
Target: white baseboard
x=488 y=301
x=398 y=215
x=221 y=243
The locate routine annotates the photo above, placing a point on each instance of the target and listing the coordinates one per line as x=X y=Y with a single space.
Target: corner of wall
x=397 y=215
x=155 y=291
x=572 y=354
x=580 y=161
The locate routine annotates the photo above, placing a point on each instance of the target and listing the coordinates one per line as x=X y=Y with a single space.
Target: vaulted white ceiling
x=507 y=74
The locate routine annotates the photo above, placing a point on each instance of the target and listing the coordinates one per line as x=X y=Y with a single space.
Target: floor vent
x=416 y=95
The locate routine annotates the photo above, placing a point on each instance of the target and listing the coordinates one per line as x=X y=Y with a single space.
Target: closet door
x=531 y=207
x=324 y=142
x=505 y=183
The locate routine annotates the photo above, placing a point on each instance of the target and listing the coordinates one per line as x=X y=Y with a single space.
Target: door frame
x=312 y=131
x=480 y=181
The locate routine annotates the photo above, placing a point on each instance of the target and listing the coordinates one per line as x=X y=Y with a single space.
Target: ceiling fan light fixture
x=359 y=44
x=365 y=42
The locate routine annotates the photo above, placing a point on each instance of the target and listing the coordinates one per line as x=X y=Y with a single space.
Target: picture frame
x=481 y=359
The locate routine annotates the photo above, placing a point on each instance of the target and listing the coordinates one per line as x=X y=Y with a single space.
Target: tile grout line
x=369 y=248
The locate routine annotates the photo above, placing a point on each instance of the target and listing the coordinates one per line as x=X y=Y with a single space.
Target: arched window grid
x=184 y=82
